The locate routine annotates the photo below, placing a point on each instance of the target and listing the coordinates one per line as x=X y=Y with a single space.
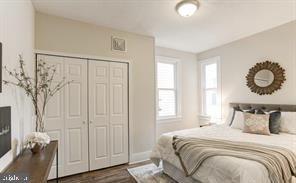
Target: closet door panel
x=99 y=135
x=118 y=113
x=54 y=114
x=76 y=129
x=89 y=117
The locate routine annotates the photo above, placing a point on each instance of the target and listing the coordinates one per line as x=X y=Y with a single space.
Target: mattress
x=177 y=174
x=224 y=169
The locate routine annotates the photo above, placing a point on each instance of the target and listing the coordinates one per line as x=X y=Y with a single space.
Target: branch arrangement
x=40 y=89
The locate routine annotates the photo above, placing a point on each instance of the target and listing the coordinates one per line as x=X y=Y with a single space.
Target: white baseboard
x=138 y=157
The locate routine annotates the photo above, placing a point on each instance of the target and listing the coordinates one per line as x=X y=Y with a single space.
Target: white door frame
x=130 y=85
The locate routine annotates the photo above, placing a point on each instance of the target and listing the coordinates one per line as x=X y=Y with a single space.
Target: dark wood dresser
x=35 y=166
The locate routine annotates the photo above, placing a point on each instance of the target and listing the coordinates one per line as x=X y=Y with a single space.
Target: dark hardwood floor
x=116 y=174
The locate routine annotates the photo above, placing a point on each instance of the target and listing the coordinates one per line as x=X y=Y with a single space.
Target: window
x=210 y=89
x=168 y=92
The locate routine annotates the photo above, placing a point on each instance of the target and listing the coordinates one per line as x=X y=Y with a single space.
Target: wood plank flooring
x=116 y=174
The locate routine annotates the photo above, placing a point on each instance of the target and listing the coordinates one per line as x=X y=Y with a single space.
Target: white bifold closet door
x=76 y=128
x=54 y=114
x=108 y=114
x=89 y=117
x=66 y=115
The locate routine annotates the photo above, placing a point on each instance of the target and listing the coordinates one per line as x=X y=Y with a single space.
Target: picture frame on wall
x=118 y=44
x=5 y=130
x=0 y=67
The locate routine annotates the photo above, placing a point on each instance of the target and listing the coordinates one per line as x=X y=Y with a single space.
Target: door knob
x=90 y=122
x=83 y=122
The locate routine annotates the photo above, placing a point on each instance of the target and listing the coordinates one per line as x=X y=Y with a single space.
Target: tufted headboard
x=265 y=107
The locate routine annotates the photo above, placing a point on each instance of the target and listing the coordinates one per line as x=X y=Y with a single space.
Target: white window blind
x=167 y=88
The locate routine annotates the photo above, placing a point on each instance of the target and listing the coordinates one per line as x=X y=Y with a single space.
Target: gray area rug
x=150 y=174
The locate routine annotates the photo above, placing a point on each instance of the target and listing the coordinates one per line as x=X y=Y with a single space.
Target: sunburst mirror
x=265 y=78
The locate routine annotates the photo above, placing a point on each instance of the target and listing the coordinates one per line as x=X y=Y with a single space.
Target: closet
x=89 y=117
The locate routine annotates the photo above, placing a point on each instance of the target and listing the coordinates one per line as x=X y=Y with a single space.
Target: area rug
x=150 y=174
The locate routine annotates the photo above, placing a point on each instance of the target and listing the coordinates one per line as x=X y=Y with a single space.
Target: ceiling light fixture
x=187 y=8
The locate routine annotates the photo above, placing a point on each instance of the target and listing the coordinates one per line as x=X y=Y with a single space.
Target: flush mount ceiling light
x=187 y=8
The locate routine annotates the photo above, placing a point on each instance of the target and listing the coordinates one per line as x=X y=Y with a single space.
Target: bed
x=224 y=169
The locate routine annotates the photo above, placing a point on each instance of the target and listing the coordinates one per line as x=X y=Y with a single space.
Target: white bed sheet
x=223 y=169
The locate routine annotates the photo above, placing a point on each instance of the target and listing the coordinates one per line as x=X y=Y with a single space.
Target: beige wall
x=278 y=45
x=64 y=35
x=189 y=90
x=17 y=37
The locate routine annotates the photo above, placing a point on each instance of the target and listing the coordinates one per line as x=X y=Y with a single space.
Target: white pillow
x=229 y=117
x=238 y=120
x=288 y=122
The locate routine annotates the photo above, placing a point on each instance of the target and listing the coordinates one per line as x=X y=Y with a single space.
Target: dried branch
x=40 y=90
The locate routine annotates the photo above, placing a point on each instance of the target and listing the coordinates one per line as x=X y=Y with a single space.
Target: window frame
x=177 y=88
x=203 y=89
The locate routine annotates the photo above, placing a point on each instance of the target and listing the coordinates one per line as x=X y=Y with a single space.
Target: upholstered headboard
x=265 y=107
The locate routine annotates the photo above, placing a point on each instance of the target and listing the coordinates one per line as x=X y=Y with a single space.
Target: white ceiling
x=217 y=22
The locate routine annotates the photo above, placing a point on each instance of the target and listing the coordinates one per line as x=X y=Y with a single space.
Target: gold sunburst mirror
x=265 y=78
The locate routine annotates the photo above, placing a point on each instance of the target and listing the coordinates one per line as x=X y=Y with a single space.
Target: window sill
x=172 y=119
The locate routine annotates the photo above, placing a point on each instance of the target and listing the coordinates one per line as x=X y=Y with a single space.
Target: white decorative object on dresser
x=89 y=117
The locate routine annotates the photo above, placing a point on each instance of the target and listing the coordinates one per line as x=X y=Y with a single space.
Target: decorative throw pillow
x=238 y=118
x=252 y=111
x=230 y=117
x=288 y=122
x=274 y=120
x=260 y=111
x=256 y=123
